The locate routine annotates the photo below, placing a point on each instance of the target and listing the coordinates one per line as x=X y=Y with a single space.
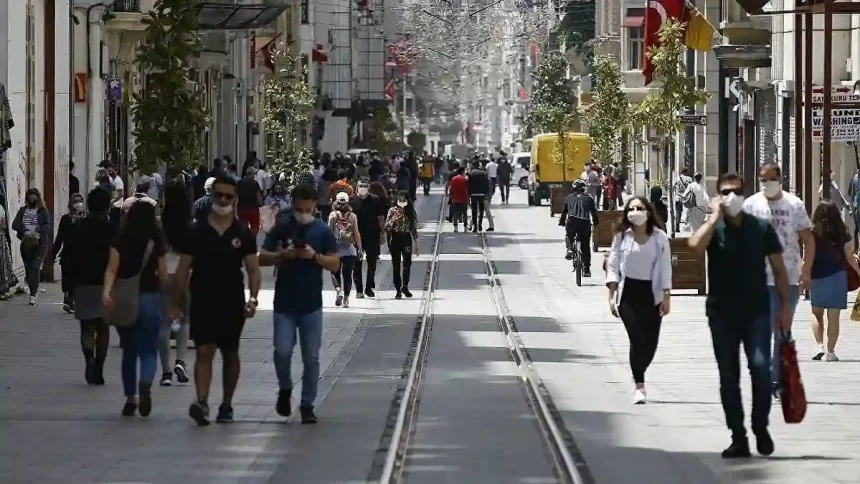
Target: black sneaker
x=740 y=448
x=166 y=379
x=369 y=293
x=199 y=412
x=764 y=442
x=179 y=370
x=99 y=373
x=586 y=273
x=398 y=295
x=68 y=308
x=406 y=292
x=225 y=414
x=568 y=255
x=128 y=409
x=308 y=416
x=491 y=229
x=284 y=403
x=144 y=404
x=359 y=295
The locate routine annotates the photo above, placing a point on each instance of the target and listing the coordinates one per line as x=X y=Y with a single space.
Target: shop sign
x=844 y=125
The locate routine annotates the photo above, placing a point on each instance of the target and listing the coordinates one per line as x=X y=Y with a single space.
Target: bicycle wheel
x=577 y=263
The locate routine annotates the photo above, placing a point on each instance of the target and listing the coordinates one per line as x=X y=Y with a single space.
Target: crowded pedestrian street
x=474 y=419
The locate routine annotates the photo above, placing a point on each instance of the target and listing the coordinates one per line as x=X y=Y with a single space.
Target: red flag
x=658 y=11
x=389 y=90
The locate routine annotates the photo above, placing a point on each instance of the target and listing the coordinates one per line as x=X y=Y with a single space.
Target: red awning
x=633 y=22
x=319 y=56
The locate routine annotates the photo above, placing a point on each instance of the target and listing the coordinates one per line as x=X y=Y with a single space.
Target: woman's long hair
x=827 y=223
x=653 y=218
x=409 y=209
x=378 y=189
x=176 y=216
x=40 y=203
x=140 y=224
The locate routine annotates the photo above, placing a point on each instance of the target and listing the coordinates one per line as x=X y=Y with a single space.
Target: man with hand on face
x=214 y=252
x=301 y=246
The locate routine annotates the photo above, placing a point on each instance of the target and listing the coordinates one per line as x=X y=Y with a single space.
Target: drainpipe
x=73 y=21
x=91 y=44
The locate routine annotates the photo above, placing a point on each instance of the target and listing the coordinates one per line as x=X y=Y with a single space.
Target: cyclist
x=579 y=214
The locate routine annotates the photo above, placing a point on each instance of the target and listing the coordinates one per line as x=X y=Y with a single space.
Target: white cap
x=207 y=186
x=342 y=197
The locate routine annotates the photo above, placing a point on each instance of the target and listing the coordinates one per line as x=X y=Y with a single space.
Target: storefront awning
x=225 y=16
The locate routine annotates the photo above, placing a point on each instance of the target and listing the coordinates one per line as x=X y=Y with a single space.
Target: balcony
x=128 y=15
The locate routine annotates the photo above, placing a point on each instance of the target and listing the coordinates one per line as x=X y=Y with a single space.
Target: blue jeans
x=309 y=327
x=754 y=334
x=775 y=309
x=141 y=341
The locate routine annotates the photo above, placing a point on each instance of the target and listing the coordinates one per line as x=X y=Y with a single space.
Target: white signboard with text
x=844 y=124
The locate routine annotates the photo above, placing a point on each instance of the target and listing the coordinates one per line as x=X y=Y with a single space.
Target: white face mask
x=362 y=191
x=771 y=188
x=392 y=180
x=222 y=209
x=303 y=218
x=733 y=204
x=637 y=217
x=402 y=204
x=78 y=206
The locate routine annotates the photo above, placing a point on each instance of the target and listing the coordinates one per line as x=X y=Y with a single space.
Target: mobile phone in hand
x=299 y=245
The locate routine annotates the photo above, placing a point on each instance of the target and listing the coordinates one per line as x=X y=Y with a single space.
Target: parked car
x=521 y=162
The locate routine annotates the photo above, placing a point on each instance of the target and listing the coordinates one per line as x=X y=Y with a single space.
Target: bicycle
x=576 y=257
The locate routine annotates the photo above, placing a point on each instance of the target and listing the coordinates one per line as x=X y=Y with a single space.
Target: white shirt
x=492 y=169
x=660 y=273
x=263 y=179
x=640 y=260
x=787 y=216
x=118 y=185
x=699 y=192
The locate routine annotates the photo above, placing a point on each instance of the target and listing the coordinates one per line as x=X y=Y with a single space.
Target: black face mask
x=31 y=203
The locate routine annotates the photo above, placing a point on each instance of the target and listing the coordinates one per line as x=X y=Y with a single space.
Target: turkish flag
x=658 y=11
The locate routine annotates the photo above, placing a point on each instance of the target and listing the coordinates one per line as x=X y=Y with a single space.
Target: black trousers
x=400 y=248
x=581 y=230
x=372 y=258
x=641 y=317
x=342 y=278
x=505 y=189
x=477 y=211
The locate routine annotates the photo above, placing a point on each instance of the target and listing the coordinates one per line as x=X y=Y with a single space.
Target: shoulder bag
x=851 y=275
x=125 y=295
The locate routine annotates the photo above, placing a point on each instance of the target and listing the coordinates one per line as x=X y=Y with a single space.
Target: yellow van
x=546 y=173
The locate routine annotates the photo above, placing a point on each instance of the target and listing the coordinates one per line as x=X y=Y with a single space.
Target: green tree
x=169 y=113
x=659 y=111
x=609 y=112
x=553 y=107
x=382 y=133
x=287 y=108
x=416 y=141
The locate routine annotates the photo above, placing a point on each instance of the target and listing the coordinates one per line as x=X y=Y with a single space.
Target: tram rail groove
x=398 y=432
x=570 y=465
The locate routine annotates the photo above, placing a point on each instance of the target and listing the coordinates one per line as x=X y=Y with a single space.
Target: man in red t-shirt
x=459 y=193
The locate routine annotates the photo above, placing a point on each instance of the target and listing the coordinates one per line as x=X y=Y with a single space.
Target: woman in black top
x=139 y=249
x=67 y=261
x=89 y=244
x=401 y=225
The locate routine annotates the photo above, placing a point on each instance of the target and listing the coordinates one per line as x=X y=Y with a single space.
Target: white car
x=521 y=162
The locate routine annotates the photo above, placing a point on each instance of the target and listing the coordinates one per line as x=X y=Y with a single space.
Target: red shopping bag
x=793 y=394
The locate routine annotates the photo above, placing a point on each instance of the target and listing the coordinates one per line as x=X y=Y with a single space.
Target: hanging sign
x=844 y=125
x=114 y=89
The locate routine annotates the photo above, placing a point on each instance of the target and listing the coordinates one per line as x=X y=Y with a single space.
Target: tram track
x=394 y=450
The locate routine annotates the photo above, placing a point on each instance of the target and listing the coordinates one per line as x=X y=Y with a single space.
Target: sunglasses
x=225 y=196
x=726 y=191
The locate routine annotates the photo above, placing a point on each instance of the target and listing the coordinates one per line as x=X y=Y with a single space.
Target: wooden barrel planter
x=606 y=228
x=557 y=197
x=688 y=270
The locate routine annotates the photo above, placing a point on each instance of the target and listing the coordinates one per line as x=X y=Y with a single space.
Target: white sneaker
x=639 y=396
x=33 y=301
x=820 y=353
x=831 y=356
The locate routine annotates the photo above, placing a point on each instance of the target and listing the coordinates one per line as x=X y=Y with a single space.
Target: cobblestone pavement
x=55 y=428
x=677 y=436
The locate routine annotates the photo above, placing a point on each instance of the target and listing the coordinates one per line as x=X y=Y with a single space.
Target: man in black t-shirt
x=214 y=252
x=370 y=211
x=250 y=200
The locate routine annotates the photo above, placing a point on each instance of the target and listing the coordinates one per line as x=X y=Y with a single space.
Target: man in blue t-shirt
x=301 y=246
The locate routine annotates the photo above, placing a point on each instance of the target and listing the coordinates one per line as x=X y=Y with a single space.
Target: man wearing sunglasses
x=738 y=307
x=215 y=250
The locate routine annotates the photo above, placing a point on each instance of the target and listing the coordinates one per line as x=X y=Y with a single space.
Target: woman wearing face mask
x=639 y=278
x=32 y=225
x=402 y=227
x=344 y=224
x=68 y=223
x=279 y=199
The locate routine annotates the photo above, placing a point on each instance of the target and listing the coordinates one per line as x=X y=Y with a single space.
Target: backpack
x=343 y=231
x=690 y=200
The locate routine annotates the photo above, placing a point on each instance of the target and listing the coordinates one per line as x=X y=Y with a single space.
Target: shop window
x=635 y=48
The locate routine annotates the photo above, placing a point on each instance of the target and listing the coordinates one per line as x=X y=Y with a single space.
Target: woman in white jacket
x=639 y=278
